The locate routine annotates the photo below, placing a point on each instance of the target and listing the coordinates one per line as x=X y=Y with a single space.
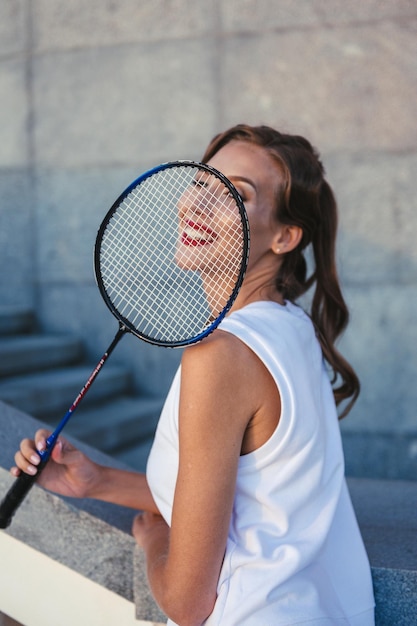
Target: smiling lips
x=197 y=234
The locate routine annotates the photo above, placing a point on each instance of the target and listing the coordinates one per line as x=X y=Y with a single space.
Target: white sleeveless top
x=294 y=553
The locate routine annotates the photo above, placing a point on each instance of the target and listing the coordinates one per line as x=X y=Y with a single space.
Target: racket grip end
x=14 y=497
x=5 y=522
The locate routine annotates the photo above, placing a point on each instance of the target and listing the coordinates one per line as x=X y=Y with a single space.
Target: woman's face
x=257 y=177
x=207 y=227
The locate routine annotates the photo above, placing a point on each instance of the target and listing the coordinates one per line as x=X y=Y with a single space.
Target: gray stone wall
x=92 y=93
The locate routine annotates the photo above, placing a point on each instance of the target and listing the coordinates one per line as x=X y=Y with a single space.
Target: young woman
x=247 y=520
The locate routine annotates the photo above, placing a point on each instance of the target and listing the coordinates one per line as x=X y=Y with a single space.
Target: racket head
x=171 y=253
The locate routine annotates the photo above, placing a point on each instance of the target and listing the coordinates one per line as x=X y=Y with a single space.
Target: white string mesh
x=172 y=252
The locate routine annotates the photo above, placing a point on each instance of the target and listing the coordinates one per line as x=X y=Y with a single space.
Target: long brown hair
x=306 y=200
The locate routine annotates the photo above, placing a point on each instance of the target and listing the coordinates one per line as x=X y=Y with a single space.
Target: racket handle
x=16 y=494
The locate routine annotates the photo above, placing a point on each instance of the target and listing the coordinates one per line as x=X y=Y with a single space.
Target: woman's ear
x=287 y=239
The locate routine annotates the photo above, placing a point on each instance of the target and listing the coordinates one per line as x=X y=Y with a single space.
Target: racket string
x=138 y=256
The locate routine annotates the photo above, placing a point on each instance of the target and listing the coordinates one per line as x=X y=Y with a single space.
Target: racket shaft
x=17 y=493
x=22 y=485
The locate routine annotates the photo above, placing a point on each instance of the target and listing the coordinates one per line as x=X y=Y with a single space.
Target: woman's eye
x=198 y=183
x=241 y=194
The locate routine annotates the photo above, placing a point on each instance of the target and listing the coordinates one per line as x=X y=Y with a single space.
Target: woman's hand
x=147 y=526
x=68 y=472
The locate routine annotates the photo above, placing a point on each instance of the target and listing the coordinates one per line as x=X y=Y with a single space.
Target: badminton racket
x=169 y=259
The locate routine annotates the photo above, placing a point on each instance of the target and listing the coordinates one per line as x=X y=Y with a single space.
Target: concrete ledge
x=387 y=516
x=40 y=590
x=83 y=545
x=92 y=539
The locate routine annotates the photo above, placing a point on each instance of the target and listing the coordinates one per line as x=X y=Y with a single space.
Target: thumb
x=63 y=452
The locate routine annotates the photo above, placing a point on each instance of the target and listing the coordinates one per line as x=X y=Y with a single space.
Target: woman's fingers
x=29 y=451
x=40 y=439
x=68 y=472
x=26 y=460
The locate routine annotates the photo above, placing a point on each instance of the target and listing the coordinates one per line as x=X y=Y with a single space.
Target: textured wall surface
x=94 y=93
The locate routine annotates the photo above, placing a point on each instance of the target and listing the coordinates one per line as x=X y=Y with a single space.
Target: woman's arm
x=219 y=395
x=69 y=472
x=126 y=488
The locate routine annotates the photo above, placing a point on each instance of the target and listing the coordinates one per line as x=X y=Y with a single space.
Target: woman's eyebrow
x=244 y=180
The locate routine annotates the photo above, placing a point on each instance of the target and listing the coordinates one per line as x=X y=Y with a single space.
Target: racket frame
x=123 y=321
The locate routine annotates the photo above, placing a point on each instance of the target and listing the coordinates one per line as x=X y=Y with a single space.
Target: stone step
x=14 y=320
x=42 y=374
x=114 y=425
x=48 y=395
x=380 y=455
x=21 y=354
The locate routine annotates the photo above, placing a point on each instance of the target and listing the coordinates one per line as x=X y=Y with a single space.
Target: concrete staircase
x=42 y=374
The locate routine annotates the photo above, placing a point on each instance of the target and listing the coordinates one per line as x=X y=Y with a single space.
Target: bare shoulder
x=224 y=373
x=218 y=354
